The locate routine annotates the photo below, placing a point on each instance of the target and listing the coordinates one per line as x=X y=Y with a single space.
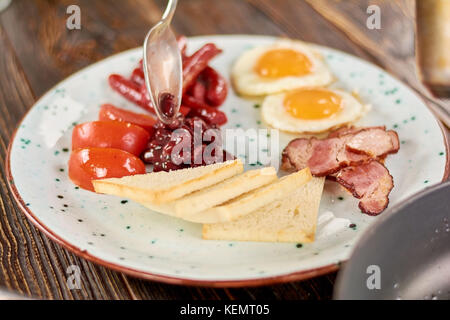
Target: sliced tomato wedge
x=110 y=134
x=90 y=164
x=110 y=112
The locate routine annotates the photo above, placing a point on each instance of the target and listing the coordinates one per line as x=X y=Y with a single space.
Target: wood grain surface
x=37 y=51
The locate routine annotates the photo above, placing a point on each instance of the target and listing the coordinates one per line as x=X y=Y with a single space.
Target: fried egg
x=311 y=110
x=282 y=66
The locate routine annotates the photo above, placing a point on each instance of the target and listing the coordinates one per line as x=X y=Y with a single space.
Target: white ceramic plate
x=126 y=237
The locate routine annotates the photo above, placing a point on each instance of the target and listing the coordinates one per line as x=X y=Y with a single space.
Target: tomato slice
x=90 y=164
x=110 y=134
x=110 y=112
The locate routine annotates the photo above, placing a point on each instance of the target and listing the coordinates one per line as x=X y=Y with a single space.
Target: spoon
x=163 y=67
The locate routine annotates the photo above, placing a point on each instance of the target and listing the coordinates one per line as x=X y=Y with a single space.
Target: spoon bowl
x=163 y=67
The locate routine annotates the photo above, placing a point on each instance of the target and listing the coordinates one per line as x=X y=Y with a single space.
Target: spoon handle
x=170 y=11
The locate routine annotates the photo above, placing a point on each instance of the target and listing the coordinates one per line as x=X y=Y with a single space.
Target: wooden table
x=37 y=51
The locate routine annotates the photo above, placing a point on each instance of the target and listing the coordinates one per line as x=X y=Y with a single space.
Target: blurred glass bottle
x=4 y=4
x=433 y=45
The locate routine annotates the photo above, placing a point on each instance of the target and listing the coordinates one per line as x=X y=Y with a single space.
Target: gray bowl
x=405 y=255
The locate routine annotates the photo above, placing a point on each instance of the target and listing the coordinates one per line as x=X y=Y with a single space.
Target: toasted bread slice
x=162 y=187
x=248 y=202
x=289 y=219
x=231 y=188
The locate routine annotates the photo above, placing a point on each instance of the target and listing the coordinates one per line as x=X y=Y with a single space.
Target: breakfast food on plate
x=248 y=202
x=89 y=164
x=110 y=134
x=191 y=198
x=311 y=110
x=195 y=70
x=212 y=196
x=293 y=77
x=351 y=156
x=191 y=195
x=292 y=218
x=142 y=135
x=231 y=204
x=326 y=156
x=204 y=90
x=164 y=186
x=106 y=149
x=160 y=153
x=370 y=182
x=284 y=65
x=108 y=112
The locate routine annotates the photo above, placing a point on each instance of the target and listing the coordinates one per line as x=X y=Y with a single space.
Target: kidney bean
x=157 y=167
x=152 y=154
x=195 y=122
x=167 y=104
x=170 y=166
x=162 y=136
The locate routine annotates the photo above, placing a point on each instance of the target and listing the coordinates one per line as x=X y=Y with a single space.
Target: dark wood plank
x=314 y=289
x=49 y=52
x=200 y=17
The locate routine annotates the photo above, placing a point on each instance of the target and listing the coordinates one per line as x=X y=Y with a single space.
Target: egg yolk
x=283 y=63
x=312 y=104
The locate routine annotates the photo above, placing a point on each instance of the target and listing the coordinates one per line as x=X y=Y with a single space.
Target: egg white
x=275 y=114
x=249 y=83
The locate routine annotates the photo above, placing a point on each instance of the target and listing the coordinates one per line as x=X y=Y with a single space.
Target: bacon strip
x=370 y=182
x=351 y=156
x=344 y=148
x=330 y=155
x=374 y=142
x=323 y=157
x=296 y=154
x=342 y=131
x=350 y=130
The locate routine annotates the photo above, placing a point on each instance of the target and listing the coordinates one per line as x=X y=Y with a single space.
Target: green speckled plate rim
x=295 y=276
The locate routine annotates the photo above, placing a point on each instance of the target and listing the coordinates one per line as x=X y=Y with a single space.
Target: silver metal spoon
x=163 y=67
